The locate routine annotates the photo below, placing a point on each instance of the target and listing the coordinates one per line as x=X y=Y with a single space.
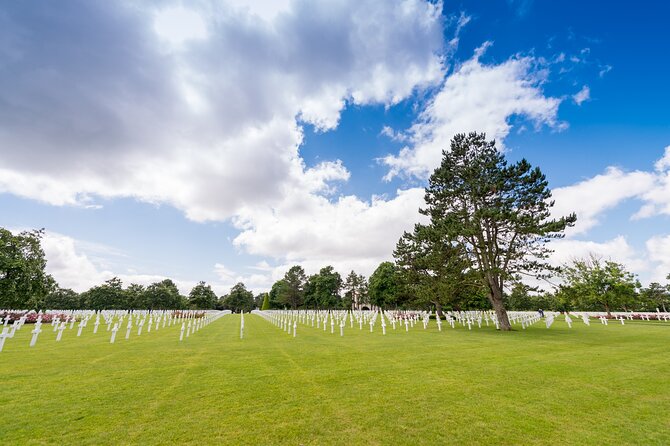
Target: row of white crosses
x=325 y=320
x=288 y=320
x=114 y=320
x=9 y=331
x=191 y=326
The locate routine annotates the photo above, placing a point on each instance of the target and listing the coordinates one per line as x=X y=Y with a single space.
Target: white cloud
x=658 y=248
x=617 y=249
x=663 y=163
x=590 y=198
x=475 y=97
x=582 y=95
x=178 y=25
x=213 y=126
x=314 y=231
x=70 y=267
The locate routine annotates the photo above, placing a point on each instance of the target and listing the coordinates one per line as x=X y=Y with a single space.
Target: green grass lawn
x=585 y=385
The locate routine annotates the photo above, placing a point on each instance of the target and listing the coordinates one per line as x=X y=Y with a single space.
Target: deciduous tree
x=384 y=285
x=592 y=283
x=202 y=297
x=24 y=282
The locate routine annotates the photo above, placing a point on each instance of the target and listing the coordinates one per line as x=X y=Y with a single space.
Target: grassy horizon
x=585 y=385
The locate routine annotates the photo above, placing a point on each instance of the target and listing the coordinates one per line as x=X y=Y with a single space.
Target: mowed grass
x=585 y=385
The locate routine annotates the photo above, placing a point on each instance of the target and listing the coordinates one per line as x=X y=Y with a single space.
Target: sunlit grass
x=585 y=385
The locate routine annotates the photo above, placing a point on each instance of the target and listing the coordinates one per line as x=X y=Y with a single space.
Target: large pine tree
x=499 y=214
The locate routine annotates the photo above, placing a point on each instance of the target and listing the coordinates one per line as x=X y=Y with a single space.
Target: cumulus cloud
x=80 y=265
x=658 y=248
x=582 y=95
x=617 y=249
x=309 y=227
x=590 y=198
x=205 y=117
x=475 y=97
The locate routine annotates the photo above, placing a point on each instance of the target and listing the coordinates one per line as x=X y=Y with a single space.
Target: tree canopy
x=384 y=285
x=24 y=282
x=496 y=212
x=355 y=289
x=323 y=289
x=594 y=284
x=434 y=270
x=239 y=299
x=202 y=297
x=292 y=293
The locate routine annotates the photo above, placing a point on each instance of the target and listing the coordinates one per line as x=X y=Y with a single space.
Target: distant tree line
x=422 y=277
x=489 y=223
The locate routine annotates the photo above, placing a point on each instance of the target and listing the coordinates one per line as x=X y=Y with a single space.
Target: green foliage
x=593 y=284
x=24 y=284
x=266 y=302
x=108 y=296
x=277 y=290
x=292 y=293
x=62 y=299
x=498 y=214
x=323 y=289
x=239 y=299
x=522 y=299
x=355 y=291
x=164 y=295
x=384 y=286
x=135 y=296
x=202 y=297
x=655 y=296
x=434 y=270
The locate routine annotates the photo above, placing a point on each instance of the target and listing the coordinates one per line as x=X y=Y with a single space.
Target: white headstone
x=35 y=332
x=61 y=327
x=3 y=336
x=114 y=330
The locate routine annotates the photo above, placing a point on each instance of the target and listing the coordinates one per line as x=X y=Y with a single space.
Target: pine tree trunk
x=496 y=299
x=438 y=309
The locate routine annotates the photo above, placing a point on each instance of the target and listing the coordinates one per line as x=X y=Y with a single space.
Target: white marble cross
x=3 y=336
x=549 y=320
x=181 y=335
x=114 y=330
x=36 y=331
x=80 y=328
x=129 y=327
x=61 y=327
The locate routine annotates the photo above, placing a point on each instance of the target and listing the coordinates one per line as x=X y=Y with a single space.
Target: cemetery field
x=585 y=385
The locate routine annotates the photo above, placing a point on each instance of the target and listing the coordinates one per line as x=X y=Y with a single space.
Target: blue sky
x=227 y=141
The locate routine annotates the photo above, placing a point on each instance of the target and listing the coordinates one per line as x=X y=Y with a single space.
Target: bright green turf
x=588 y=385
